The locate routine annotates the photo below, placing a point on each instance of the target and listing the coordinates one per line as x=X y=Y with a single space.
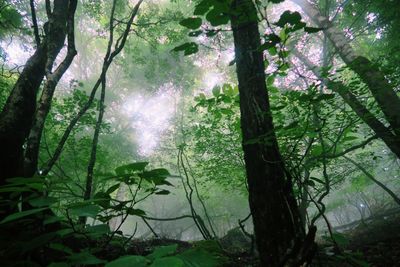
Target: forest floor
x=378 y=241
x=374 y=243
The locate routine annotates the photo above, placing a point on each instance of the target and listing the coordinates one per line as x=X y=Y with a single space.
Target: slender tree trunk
x=277 y=223
x=121 y=196
x=370 y=176
x=108 y=59
x=92 y=161
x=384 y=133
x=381 y=89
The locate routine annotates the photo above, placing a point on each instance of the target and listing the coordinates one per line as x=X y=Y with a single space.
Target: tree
x=17 y=115
x=381 y=89
x=277 y=223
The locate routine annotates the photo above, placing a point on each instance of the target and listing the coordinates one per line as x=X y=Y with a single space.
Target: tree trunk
x=108 y=59
x=17 y=115
x=277 y=223
x=370 y=176
x=44 y=105
x=381 y=89
x=384 y=133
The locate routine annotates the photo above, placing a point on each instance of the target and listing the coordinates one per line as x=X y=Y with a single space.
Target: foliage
x=40 y=194
x=313 y=124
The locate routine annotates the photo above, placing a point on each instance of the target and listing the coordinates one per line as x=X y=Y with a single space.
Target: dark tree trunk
x=17 y=116
x=52 y=78
x=277 y=223
x=18 y=113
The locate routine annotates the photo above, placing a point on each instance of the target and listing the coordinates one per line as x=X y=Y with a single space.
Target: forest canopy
x=199 y=133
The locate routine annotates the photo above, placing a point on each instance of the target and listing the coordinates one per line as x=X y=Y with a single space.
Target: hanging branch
x=198 y=196
x=106 y=64
x=370 y=176
x=189 y=196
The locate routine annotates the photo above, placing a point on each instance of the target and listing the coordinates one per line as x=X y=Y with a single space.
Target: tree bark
x=277 y=223
x=17 y=115
x=381 y=89
x=33 y=143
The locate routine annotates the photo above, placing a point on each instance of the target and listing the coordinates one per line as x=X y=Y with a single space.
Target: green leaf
x=187 y=48
x=198 y=258
x=137 y=212
x=51 y=219
x=164 y=173
x=289 y=17
x=22 y=214
x=211 y=33
x=65 y=232
x=202 y=7
x=85 y=258
x=25 y=181
x=195 y=33
x=17 y=189
x=309 y=182
x=103 y=199
x=316 y=150
x=270 y=80
x=42 y=201
x=112 y=189
x=349 y=137
x=312 y=29
x=163 y=192
x=61 y=247
x=58 y=264
x=217 y=17
x=128 y=261
x=276 y=1
x=168 y=261
x=131 y=168
x=191 y=23
x=291 y=125
x=317 y=180
x=272 y=51
x=85 y=210
x=162 y=251
x=98 y=229
x=273 y=38
x=216 y=91
x=325 y=97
